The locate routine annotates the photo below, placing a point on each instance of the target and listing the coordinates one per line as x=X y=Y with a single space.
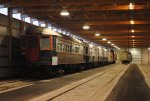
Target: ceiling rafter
x=109 y=17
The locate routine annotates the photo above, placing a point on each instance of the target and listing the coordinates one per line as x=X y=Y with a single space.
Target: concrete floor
x=42 y=87
x=116 y=82
x=131 y=87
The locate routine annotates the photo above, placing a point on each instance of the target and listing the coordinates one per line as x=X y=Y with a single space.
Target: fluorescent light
x=104 y=39
x=131 y=6
x=86 y=27
x=64 y=12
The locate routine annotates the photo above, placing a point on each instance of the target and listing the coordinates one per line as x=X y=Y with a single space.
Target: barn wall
x=136 y=55
x=17 y=29
x=140 y=55
x=145 y=56
x=4 y=46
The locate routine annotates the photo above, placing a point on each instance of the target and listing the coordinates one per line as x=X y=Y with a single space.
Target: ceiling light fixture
x=86 y=27
x=131 y=22
x=64 y=12
x=132 y=31
x=104 y=39
x=131 y=6
x=112 y=44
x=133 y=36
x=109 y=42
x=97 y=34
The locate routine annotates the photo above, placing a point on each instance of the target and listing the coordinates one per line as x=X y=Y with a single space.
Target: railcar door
x=33 y=48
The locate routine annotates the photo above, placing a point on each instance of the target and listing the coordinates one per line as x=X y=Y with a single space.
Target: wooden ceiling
x=109 y=17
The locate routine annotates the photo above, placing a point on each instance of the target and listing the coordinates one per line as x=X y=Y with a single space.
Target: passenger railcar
x=55 y=51
x=125 y=57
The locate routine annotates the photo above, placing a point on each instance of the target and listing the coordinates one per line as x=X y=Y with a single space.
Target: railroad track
x=8 y=85
x=106 y=72
x=13 y=84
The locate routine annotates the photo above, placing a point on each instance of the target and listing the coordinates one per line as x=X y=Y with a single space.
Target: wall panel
x=4 y=72
x=3 y=31
x=3 y=52
x=145 y=56
x=16 y=23
x=3 y=20
x=15 y=33
x=4 y=41
x=136 y=55
x=4 y=46
x=3 y=62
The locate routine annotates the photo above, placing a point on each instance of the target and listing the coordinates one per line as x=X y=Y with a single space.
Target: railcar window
x=83 y=49
x=60 y=47
x=63 y=48
x=32 y=42
x=44 y=43
x=86 y=51
x=90 y=51
x=66 y=48
x=77 y=49
x=70 y=49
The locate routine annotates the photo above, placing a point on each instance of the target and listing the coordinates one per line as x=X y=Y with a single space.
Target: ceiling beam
x=23 y=3
x=77 y=9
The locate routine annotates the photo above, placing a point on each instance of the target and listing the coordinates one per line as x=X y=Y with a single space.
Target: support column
x=10 y=40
